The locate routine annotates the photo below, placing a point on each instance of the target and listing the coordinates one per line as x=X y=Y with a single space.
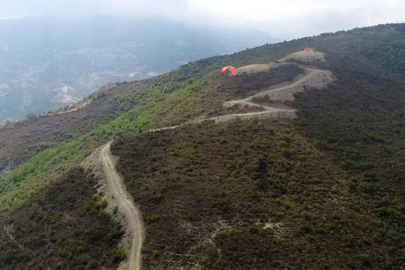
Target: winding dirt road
x=126 y=206
x=312 y=78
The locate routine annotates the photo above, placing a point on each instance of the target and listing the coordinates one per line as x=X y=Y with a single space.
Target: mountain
x=298 y=162
x=48 y=63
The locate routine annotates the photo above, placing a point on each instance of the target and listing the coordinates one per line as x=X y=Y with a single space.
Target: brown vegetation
x=65 y=227
x=21 y=140
x=250 y=194
x=258 y=194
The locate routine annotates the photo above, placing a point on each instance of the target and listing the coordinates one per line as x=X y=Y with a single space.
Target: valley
x=49 y=64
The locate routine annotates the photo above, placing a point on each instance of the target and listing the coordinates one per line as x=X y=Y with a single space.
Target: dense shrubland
x=65 y=227
x=255 y=190
x=334 y=177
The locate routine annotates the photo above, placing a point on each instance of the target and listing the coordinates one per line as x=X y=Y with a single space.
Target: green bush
x=205 y=262
x=120 y=255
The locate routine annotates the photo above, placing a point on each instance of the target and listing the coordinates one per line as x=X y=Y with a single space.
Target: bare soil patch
x=304 y=56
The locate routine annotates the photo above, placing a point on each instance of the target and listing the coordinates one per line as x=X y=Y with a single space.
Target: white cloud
x=296 y=18
x=284 y=19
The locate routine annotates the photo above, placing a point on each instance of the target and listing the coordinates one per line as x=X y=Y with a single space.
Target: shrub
x=365 y=259
x=156 y=198
x=120 y=255
x=205 y=262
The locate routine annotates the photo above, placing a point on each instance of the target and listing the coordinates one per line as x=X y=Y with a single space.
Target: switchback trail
x=312 y=78
x=126 y=206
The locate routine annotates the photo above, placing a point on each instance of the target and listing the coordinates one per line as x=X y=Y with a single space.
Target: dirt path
x=84 y=104
x=106 y=87
x=9 y=234
x=126 y=206
x=312 y=78
x=102 y=159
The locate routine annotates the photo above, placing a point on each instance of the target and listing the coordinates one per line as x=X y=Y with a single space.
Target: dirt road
x=126 y=206
x=312 y=78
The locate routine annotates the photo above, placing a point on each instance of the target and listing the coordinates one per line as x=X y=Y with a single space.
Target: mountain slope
x=66 y=226
x=250 y=194
x=254 y=193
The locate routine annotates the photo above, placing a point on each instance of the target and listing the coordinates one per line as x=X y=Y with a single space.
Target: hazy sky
x=283 y=19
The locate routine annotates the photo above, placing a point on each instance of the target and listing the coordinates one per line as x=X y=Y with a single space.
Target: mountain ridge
x=259 y=193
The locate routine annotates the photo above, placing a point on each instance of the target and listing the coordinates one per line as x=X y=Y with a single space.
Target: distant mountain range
x=48 y=63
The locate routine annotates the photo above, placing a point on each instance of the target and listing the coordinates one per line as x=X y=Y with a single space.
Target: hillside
x=66 y=226
x=235 y=195
x=48 y=63
x=296 y=164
